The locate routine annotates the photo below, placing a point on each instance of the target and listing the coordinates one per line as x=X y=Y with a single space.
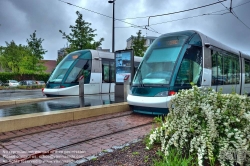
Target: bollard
x=81 y=91
x=81 y=101
x=126 y=87
x=81 y=86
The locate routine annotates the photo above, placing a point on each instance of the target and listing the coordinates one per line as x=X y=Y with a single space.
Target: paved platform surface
x=91 y=136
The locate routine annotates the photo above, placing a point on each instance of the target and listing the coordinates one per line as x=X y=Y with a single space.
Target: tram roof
x=208 y=40
x=108 y=55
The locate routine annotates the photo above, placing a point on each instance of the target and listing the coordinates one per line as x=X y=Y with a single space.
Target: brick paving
x=45 y=139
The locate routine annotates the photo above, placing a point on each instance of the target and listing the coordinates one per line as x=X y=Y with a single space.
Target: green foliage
x=135 y=153
x=95 y=158
x=209 y=125
x=15 y=76
x=81 y=36
x=174 y=158
x=8 y=76
x=11 y=55
x=146 y=158
x=21 y=58
x=30 y=87
x=138 y=44
x=59 y=59
x=36 y=48
x=35 y=45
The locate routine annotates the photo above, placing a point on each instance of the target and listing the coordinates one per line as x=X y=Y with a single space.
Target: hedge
x=15 y=76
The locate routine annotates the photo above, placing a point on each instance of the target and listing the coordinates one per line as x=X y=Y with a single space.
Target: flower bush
x=214 y=127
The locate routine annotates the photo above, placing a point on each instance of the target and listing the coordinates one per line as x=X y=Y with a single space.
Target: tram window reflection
x=191 y=66
x=247 y=72
x=81 y=68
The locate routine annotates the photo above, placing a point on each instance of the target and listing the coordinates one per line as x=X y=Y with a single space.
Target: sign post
x=81 y=91
x=124 y=67
x=126 y=86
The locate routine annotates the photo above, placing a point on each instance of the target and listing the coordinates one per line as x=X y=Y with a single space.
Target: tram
x=175 y=60
x=97 y=67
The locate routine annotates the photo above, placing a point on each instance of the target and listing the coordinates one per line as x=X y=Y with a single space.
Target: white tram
x=97 y=67
x=174 y=60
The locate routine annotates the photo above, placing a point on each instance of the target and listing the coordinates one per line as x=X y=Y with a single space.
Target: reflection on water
x=59 y=104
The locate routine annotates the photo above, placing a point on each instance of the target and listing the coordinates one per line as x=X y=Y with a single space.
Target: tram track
x=51 y=151
x=65 y=126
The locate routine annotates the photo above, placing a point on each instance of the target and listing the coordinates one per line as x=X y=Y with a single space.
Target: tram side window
x=108 y=72
x=112 y=71
x=191 y=66
x=247 y=72
x=105 y=72
x=225 y=69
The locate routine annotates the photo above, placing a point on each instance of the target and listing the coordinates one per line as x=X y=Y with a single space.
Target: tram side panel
x=207 y=68
x=94 y=86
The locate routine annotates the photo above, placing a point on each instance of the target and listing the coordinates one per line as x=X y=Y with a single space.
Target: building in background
x=101 y=49
x=149 y=40
x=50 y=65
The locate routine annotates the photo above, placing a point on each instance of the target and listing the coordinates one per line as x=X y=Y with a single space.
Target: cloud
x=21 y=18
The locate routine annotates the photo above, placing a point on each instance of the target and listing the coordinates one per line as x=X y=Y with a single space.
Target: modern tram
x=175 y=60
x=97 y=67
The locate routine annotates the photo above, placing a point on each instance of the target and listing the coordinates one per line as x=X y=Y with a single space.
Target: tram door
x=225 y=72
x=108 y=68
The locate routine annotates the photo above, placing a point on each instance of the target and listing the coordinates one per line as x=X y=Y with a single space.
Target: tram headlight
x=165 y=93
x=162 y=94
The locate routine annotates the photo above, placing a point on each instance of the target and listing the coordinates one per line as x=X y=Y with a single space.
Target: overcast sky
x=20 y=18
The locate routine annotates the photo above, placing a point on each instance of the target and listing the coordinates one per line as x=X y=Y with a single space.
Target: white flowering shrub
x=214 y=127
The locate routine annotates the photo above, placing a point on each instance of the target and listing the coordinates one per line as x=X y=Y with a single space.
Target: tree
x=23 y=59
x=138 y=44
x=35 y=45
x=81 y=36
x=10 y=57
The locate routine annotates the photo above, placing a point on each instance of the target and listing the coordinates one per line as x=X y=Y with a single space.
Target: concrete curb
x=38 y=119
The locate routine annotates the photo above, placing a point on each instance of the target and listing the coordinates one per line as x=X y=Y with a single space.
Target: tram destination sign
x=124 y=65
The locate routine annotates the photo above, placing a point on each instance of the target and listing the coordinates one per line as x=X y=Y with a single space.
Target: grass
x=135 y=153
x=175 y=158
x=146 y=158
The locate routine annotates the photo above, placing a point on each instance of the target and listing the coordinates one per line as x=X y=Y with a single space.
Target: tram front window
x=60 y=71
x=159 y=61
x=81 y=68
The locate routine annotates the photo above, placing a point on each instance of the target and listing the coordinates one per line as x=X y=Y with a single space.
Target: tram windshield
x=159 y=61
x=81 y=68
x=62 y=68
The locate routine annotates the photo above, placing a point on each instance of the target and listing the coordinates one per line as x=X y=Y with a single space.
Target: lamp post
x=113 y=26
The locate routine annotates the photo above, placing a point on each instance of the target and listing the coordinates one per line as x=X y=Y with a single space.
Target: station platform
x=66 y=137
x=72 y=142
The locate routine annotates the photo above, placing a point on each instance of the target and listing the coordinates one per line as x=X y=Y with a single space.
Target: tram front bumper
x=149 y=105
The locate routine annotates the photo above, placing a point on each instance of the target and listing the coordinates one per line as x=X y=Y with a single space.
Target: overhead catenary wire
x=211 y=13
x=144 y=27
x=205 y=14
x=233 y=13
x=136 y=26
x=183 y=10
